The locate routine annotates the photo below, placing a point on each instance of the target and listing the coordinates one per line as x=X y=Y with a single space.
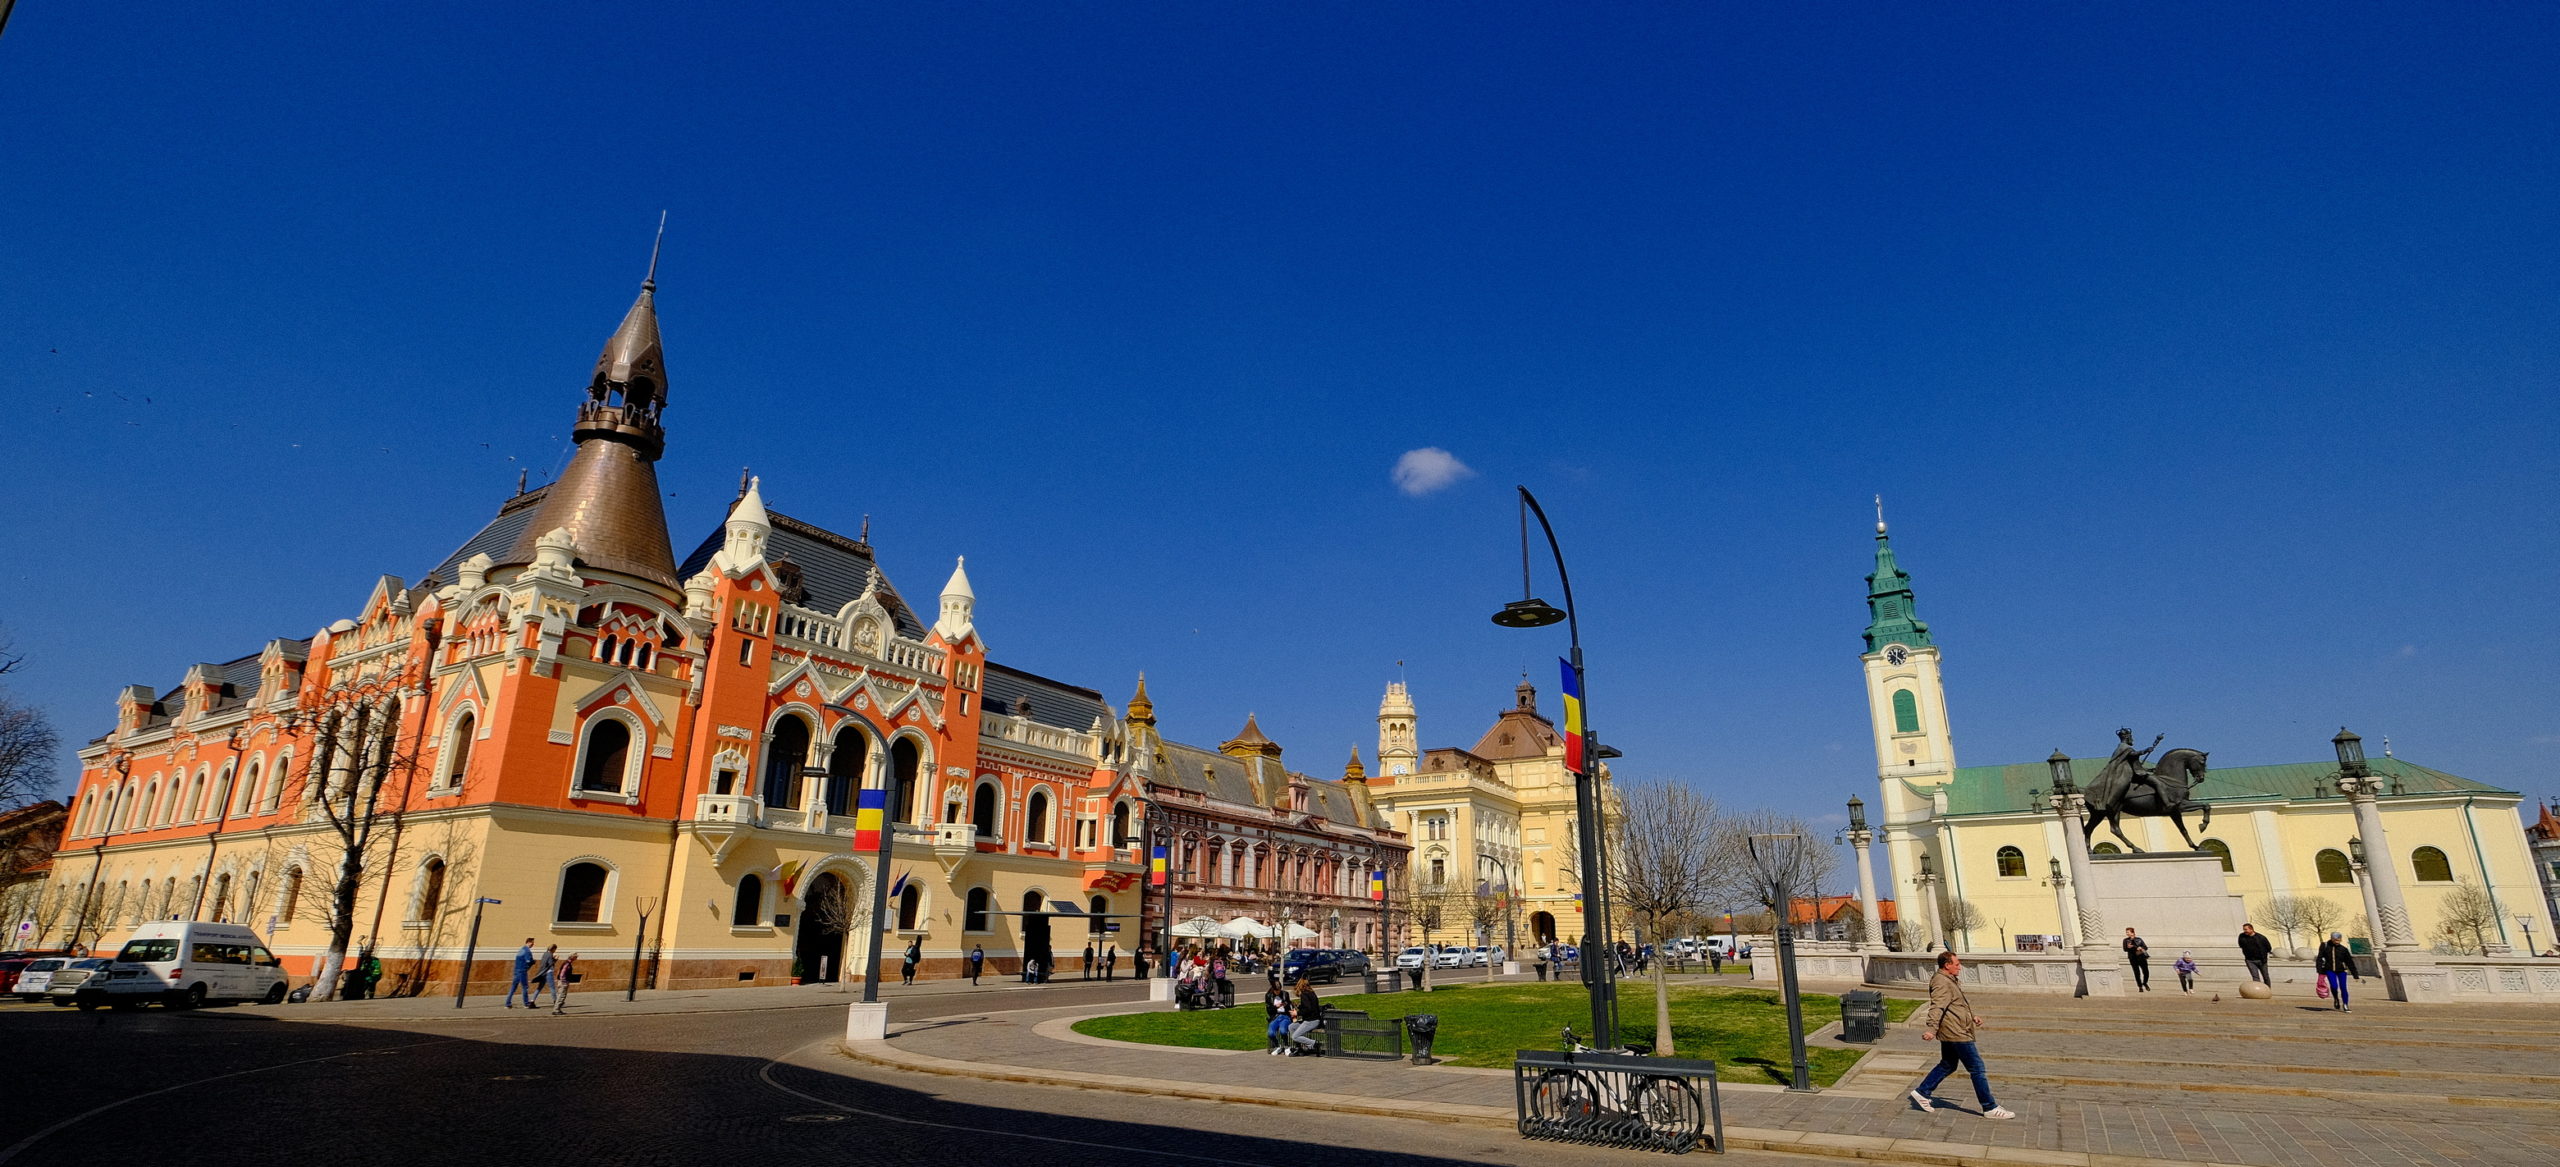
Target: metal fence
x=1618 y=1100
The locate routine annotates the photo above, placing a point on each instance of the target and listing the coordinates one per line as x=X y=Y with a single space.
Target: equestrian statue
x=2127 y=786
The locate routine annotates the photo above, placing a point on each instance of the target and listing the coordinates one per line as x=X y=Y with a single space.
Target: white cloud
x=1428 y=469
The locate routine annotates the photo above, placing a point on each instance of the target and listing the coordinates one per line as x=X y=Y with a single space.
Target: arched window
x=1120 y=824
x=783 y=760
x=581 y=894
x=1906 y=711
x=150 y=797
x=2332 y=866
x=1101 y=909
x=273 y=794
x=1035 y=817
x=608 y=756
x=291 y=899
x=905 y=759
x=748 y=912
x=910 y=906
x=2220 y=850
x=457 y=750
x=221 y=899
x=142 y=903
x=2430 y=865
x=245 y=795
x=195 y=805
x=2013 y=863
x=982 y=811
x=975 y=919
x=2106 y=849
x=844 y=769
x=430 y=890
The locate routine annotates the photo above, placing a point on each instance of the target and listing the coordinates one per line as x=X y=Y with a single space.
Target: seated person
x=1310 y=1015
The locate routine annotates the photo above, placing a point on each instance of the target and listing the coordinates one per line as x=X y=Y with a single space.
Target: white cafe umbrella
x=1301 y=932
x=1243 y=926
x=1199 y=926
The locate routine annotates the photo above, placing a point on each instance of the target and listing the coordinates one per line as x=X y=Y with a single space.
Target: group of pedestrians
x=534 y=974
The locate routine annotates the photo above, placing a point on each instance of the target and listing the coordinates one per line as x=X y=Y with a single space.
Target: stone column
x=2389 y=907
x=1870 y=932
x=2062 y=910
x=2100 y=974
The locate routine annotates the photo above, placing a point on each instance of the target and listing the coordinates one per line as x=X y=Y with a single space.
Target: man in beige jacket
x=1950 y=1021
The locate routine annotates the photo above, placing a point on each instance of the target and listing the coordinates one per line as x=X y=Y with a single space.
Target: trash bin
x=1415 y=974
x=1421 y=1028
x=1382 y=982
x=1861 y=1015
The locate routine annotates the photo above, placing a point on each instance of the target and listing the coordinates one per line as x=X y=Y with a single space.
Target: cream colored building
x=1992 y=841
x=1495 y=820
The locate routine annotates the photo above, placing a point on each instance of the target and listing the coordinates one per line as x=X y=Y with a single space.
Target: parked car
x=1451 y=956
x=10 y=967
x=37 y=977
x=186 y=963
x=68 y=979
x=1413 y=958
x=1322 y=964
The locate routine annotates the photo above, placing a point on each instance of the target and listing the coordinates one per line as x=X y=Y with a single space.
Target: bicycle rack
x=1618 y=1100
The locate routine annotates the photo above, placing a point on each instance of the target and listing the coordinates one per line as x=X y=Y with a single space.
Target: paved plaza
x=2161 y=1077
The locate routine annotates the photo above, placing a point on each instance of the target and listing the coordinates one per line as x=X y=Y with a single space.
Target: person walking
x=523 y=978
x=560 y=977
x=977 y=961
x=1140 y=967
x=1949 y=1020
x=907 y=962
x=2254 y=950
x=542 y=978
x=2186 y=967
x=1110 y=960
x=1715 y=959
x=2334 y=962
x=2138 y=953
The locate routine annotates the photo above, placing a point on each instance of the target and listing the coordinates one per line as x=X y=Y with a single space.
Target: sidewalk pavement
x=2126 y=1083
x=593 y=998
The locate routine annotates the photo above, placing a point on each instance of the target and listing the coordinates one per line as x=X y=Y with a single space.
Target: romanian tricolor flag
x=868 y=814
x=1156 y=872
x=1572 y=718
x=788 y=875
x=1378 y=885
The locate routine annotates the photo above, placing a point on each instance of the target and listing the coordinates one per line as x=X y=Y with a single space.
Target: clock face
x=1896 y=654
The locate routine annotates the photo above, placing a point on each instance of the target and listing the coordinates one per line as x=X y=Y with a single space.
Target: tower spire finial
x=1879 y=514
x=651 y=283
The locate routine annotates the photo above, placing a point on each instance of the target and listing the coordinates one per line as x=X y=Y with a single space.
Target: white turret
x=1397 y=754
x=748 y=528
x=959 y=605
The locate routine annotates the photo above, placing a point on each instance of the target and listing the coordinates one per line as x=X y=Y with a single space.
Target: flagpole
x=871 y=817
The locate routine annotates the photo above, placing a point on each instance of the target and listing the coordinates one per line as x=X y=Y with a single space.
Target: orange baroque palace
x=563 y=727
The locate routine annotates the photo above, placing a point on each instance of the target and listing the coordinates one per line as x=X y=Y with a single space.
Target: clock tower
x=1906 y=702
x=1397 y=753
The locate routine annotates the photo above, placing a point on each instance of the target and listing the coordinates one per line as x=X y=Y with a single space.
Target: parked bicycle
x=1606 y=1100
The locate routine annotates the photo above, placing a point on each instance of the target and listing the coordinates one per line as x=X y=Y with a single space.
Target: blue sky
x=2204 y=357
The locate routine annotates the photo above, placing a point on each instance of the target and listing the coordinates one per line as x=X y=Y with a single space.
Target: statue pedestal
x=2173 y=899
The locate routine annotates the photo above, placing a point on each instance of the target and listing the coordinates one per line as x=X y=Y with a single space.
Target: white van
x=186 y=963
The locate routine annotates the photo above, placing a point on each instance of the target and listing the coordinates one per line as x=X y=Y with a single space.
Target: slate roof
x=1053 y=703
x=1518 y=734
x=492 y=540
x=2000 y=789
x=1227 y=781
x=833 y=568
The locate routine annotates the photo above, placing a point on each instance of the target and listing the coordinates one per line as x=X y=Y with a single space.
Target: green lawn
x=1743 y=1030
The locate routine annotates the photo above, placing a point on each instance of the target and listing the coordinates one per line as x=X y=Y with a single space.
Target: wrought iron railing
x=1618 y=1100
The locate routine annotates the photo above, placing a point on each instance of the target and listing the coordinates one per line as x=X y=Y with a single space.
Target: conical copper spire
x=608 y=498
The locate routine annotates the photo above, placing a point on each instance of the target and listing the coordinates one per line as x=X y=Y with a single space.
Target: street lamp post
x=1598 y=977
x=2526 y=923
x=1927 y=882
x=2061 y=885
x=1780 y=859
x=470 y=948
x=2364 y=888
x=1871 y=922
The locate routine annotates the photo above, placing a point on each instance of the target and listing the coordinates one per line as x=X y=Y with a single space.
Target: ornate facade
x=564 y=732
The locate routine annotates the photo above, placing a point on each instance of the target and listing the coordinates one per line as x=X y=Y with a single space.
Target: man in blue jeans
x=1950 y=1021
x=524 y=976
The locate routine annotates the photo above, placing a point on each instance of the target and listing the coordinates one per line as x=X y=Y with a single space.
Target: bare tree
x=2284 y=914
x=1661 y=851
x=842 y=908
x=1965 y=916
x=29 y=752
x=357 y=783
x=2468 y=909
x=1434 y=906
x=2317 y=914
